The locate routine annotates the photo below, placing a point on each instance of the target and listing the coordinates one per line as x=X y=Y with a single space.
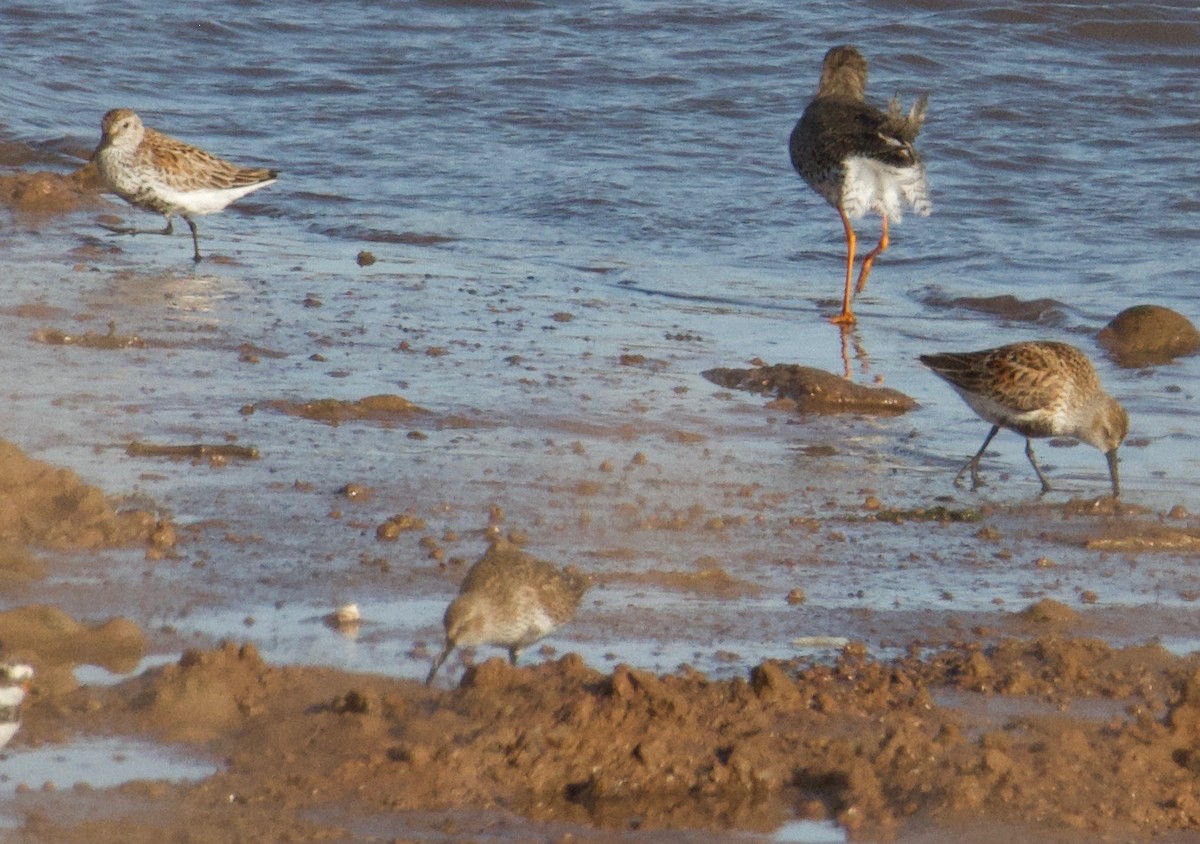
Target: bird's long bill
x=437 y=663
x=1112 y=472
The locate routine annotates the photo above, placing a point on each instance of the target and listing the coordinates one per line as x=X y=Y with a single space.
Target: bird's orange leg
x=846 y=317
x=870 y=258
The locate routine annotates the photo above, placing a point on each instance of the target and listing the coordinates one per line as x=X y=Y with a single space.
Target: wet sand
x=258 y=451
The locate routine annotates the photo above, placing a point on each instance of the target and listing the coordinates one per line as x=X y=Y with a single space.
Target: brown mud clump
x=89 y=339
x=54 y=637
x=1146 y=335
x=813 y=390
x=384 y=408
x=51 y=507
x=873 y=746
x=1049 y=611
x=193 y=451
x=43 y=193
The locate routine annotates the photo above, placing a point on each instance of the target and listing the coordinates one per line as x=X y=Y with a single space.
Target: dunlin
x=1038 y=389
x=14 y=683
x=509 y=599
x=858 y=157
x=156 y=172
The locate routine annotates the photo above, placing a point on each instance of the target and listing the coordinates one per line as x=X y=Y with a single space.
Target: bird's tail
x=906 y=126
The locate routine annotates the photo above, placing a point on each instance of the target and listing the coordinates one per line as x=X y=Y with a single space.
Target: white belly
x=203 y=200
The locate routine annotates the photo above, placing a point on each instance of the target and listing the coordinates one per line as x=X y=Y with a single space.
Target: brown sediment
x=193 y=451
x=44 y=505
x=57 y=639
x=1137 y=532
x=89 y=339
x=813 y=390
x=44 y=193
x=382 y=408
x=988 y=731
x=708 y=580
x=1148 y=538
x=970 y=731
x=1053 y=728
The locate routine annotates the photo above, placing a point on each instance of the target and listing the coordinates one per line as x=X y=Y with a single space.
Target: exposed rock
x=1145 y=335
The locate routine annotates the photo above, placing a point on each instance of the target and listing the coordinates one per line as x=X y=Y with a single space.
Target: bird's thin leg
x=846 y=317
x=513 y=655
x=195 y=239
x=973 y=463
x=1112 y=472
x=1036 y=467
x=870 y=258
x=437 y=663
x=170 y=229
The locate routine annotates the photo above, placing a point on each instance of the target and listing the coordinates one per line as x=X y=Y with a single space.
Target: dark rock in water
x=1145 y=335
x=813 y=390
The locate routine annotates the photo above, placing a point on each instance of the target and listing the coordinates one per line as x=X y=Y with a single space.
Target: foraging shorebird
x=859 y=158
x=156 y=172
x=509 y=599
x=1038 y=389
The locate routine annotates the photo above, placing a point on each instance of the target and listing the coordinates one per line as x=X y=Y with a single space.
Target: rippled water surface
x=548 y=186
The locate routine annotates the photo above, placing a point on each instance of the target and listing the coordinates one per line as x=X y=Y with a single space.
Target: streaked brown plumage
x=858 y=157
x=156 y=172
x=1038 y=389
x=510 y=599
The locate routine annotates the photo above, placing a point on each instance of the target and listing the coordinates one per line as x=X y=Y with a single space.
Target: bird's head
x=466 y=621
x=843 y=74
x=121 y=127
x=1113 y=425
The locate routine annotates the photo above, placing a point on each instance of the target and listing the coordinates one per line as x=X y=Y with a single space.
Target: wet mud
x=212 y=452
x=989 y=719
x=89 y=339
x=42 y=505
x=388 y=409
x=811 y=390
x=1023 y=718
x=1047 y=726
x=41 y=193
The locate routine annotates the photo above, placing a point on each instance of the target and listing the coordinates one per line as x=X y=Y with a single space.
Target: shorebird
x=156 y=172
x=509 y=599
x=14 y=683
x=859 y=158
x=1038 y=389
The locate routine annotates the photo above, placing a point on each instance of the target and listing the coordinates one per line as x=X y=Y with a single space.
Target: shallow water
x=547 y=187
x=94 y=762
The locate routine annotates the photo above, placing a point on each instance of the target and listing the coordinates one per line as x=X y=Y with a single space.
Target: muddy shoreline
x=1047 y=727
x=795 y=615
x=1000 y=721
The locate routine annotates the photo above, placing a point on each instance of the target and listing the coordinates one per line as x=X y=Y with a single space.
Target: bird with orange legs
x=859 y=158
